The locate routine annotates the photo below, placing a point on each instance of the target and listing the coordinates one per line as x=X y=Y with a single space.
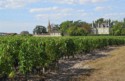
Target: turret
x=93 y=24
x=98 y=25
x=109 y=23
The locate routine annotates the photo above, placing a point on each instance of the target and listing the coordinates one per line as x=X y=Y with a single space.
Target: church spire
x=49 y=27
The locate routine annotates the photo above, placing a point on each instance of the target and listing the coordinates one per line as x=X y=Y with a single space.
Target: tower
x=49 y=27
x=93 y=24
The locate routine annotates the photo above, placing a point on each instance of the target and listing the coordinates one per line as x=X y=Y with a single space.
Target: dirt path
x=81 y=67
x=111 y=68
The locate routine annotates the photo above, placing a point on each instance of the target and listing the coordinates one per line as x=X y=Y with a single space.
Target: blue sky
x=24 y=15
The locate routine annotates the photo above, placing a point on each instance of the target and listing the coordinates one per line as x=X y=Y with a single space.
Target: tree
x=75 y=27
x=76 y=31
x=65 y=25
x=39 y=30
x=87 y=28
x=81 y=32
x=78 y=23
x=72 y=31
x=124 y=23
x=117 y=28
x=123 y=31
x=100 y=20
x=55 y=27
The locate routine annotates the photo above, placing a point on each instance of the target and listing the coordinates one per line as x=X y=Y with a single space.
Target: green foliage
x=76 y=28
x=100 y=20
x=39 y=30
x=55 y=27
x=65 y=25
x=23 y=54
x=75 y=31
x=117 y=28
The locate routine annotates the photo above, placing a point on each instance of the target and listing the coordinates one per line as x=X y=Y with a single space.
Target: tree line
x=81 y=28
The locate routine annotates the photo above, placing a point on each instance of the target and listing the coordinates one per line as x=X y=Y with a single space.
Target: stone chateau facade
x=101 y=28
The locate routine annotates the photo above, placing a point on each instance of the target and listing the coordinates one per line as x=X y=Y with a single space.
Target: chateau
x=101 y=28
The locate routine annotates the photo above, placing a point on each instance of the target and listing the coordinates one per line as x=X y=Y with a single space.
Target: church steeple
x=49 y=27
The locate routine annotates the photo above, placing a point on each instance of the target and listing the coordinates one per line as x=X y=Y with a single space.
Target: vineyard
x=21 y=55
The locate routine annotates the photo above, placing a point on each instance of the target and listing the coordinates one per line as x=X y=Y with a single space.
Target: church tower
x=49 y=27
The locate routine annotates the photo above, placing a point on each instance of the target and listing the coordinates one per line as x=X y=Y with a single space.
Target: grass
x=110 y=68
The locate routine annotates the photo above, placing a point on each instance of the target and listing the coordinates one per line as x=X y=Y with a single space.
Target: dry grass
x=111 y=68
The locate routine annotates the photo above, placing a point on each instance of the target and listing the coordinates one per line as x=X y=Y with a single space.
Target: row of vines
x=23 y=55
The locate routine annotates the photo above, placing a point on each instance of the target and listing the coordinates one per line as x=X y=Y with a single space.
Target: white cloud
x=61 y=16
x=14 y=3
x=33 y=10
x=52 y=16
x=114 y=16
x=21 y=3
x=90 y=1
x=97 y=1
x=76 y=1
x=100 y=8
x=57 y=13
x=51 y=9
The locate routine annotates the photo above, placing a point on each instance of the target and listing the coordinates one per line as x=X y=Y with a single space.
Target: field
x=23 y=57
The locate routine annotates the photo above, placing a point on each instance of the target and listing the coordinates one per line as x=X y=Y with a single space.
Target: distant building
x=5 y=34
x=2 y=34
x=101 y=28
x=49 y=27
x=53 y=31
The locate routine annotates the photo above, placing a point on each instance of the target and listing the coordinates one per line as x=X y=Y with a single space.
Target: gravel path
x=71 y=69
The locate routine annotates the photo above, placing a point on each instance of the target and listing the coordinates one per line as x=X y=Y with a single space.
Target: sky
x=24 y=15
